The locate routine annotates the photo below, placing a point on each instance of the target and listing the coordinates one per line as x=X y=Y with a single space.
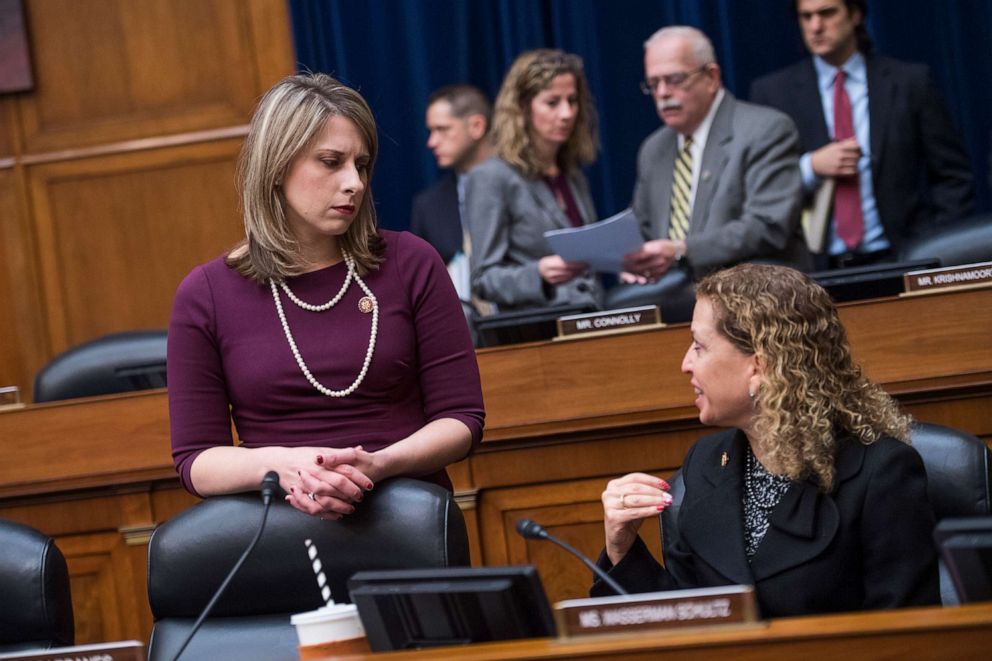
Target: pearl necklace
x=349 y=260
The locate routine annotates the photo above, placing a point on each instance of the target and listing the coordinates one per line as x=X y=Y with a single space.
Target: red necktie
x=848 y=220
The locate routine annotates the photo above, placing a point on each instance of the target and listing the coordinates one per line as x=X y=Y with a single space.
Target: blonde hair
x=531 y=73
x=812 y=391
x=286 y=121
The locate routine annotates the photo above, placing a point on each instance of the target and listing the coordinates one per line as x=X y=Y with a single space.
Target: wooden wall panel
x=101 y=576
x=118 y=233
x=572 y=512
x=159 y=67
x=126 y=144
x=7 y=133
x=23 y=344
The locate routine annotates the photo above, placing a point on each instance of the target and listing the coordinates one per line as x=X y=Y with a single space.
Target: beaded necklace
x=368 y=303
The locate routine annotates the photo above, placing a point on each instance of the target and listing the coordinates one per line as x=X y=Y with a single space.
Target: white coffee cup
x=336 y=626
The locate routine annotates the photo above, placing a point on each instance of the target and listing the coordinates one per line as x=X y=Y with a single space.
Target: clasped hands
x=333 y=481
x=627 y=501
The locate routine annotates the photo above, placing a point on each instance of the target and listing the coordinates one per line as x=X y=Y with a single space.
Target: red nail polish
x=320 y=460
x=368 y=486
x=661 y=508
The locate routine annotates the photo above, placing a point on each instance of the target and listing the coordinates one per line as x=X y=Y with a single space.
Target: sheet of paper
x=601 y=245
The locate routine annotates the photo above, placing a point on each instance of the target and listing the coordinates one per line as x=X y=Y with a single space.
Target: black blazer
x=866 y=545
x=435 y=217
x=912 y=141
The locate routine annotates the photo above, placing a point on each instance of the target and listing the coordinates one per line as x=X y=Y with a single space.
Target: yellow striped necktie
x=678 y=225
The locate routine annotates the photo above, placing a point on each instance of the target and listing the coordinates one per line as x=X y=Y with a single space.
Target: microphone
x=533 y=530
x=270 y=484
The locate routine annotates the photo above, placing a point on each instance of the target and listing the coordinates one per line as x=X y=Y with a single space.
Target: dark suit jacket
x=749 y=194
x=435 y=217
x=866 y=545
x=912 y=140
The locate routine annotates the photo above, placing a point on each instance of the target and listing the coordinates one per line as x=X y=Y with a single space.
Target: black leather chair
x=120 y=362
x=35 y=604
x=959 y=480
x=402 y=523
x=964 y=242
x=959 y=484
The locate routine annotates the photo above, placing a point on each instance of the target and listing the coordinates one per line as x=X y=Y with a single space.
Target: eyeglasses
x=672 y=80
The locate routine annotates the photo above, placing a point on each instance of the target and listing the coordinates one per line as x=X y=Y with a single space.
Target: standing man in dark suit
x=877 y=134
x=719 y=184
x=458 y=118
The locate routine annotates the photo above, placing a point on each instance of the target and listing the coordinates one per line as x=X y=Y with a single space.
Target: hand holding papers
x=601 y=245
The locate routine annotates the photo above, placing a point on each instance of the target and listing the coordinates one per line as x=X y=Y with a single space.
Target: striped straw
x=318 y=570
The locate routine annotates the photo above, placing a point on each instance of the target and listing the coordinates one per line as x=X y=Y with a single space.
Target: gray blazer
x=749 y=194
x=507 y=215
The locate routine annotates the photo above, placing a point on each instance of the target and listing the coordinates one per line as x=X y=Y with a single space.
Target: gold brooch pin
x=724 y=459
x=365 y=305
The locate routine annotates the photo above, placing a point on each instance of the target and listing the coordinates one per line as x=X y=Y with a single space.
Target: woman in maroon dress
x=339 y=350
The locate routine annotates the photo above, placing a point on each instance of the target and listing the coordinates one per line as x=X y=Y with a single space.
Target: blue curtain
x=398 y=51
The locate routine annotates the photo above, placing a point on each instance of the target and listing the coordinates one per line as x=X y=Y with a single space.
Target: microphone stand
x=533 y=530
x=269 y=484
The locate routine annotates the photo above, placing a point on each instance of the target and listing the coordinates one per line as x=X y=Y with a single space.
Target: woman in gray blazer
x=544 y=129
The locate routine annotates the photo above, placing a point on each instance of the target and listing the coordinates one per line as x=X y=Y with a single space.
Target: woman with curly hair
x=544 y=130
x=814 y=495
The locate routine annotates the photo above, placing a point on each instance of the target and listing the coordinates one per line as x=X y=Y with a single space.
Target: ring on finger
x=623 y=500
x=312 y=496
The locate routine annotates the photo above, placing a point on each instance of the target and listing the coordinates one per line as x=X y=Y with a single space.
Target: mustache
x=668 y=104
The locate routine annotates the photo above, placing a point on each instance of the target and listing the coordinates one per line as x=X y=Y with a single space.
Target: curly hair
x=288 y=118
x=531 y=73
x=812 y=391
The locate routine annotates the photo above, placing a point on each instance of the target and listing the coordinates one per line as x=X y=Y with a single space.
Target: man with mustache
x=879 y=135
x=719 y=184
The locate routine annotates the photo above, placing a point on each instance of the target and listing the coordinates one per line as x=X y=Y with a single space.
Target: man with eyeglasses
x=718 y=184
x=876 y=129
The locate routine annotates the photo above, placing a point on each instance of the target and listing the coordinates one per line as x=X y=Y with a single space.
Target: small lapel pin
x=706 y=175
x=723 y=460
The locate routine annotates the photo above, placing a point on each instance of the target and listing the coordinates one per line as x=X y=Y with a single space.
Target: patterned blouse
x=762 y=491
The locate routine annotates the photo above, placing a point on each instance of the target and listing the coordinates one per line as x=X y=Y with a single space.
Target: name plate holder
x=731 y=605
x=126 y=650
x=949 y=278
x=608 y=322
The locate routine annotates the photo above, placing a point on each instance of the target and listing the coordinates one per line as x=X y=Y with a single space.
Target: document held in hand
x=601 y=245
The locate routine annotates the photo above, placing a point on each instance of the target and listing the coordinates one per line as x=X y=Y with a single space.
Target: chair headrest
x=120 y=362
x=34 y=582
x=958 y=470
x=401 y=523
x=963 y=242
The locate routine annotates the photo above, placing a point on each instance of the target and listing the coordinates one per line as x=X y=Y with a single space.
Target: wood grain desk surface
x=956 y=633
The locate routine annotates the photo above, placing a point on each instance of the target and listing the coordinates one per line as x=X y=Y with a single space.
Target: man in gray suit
x=719 y=184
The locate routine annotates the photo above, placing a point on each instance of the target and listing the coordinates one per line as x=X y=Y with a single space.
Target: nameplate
x=127 y=650
x=950 y=277
x=10 y=397
x=609 y=321
x=676 y=609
